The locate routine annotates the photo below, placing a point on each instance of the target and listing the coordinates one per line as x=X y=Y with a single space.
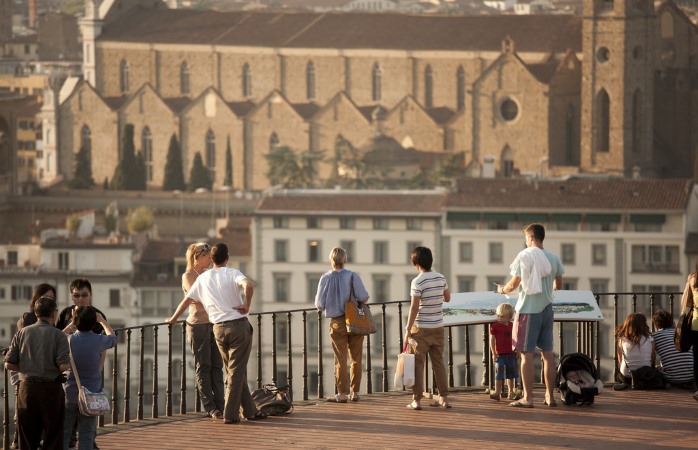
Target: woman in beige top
x=207 y=359
x=688 y=301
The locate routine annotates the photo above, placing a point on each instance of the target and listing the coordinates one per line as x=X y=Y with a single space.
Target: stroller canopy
x=576 y=361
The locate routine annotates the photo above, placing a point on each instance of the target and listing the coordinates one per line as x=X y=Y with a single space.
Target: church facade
x=614 y=91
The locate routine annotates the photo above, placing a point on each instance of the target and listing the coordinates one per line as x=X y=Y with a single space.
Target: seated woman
x=635 y=348
x=677 y=366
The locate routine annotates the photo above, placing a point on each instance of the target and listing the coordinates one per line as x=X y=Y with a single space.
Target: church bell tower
x=617 y=86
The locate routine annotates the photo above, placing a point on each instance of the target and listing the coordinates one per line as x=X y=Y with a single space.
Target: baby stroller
x=585 y=368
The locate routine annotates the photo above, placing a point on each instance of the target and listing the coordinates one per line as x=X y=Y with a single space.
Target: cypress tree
x=199 y=176
x=174 y=172
x=123 y=178
x=82 y=178
x=228 y=165
x=139 y=173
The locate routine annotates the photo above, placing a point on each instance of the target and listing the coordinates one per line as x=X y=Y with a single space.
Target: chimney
x=32 y=14
x=488 y=169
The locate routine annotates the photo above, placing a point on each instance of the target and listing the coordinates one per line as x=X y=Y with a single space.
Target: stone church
x=613 y=91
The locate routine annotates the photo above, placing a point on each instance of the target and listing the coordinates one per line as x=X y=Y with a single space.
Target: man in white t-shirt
x=221 y=290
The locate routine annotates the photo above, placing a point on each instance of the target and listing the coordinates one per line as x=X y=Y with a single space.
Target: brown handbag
x=682 y=332
x=357 y=315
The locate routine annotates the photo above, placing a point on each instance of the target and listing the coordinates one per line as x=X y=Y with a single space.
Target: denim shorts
x=506 y=366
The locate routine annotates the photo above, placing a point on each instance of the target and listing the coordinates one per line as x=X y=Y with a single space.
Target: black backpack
x=272 y=400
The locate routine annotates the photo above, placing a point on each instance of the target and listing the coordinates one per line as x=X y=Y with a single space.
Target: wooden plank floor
x=626 y=419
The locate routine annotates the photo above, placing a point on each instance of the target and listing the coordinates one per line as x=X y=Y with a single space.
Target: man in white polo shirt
x=220 y=290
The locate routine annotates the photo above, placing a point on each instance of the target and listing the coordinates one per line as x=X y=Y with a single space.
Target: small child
x=578 y=381
x=503 y=355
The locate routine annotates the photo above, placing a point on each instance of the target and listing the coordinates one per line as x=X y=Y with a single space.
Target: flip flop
x=552 y=404
x=336 y=399
x=259 y=415
x=440 y=405
x=413 y=406
x=520 y=404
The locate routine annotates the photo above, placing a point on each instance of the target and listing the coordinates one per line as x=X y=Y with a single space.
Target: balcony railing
x=290 y=330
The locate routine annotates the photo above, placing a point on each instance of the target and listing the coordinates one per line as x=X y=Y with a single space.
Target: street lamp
x=178 y=194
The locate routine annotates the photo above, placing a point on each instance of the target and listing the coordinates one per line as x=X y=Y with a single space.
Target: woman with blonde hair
x=332 y=295
x=688 y=301
x=635 y=348
x=207 y=358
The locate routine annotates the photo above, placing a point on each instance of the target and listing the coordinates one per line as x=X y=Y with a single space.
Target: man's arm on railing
x=184 y=304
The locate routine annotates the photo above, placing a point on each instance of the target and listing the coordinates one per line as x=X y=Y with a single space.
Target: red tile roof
x=539 y=33
x=351 y=202
x=574 y=193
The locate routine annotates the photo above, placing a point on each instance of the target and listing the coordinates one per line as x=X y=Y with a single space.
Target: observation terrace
x=155 y=403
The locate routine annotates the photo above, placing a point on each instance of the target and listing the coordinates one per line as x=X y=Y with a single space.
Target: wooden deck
x=626 y=419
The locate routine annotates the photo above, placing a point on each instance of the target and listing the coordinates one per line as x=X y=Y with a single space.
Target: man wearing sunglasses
x=81 y=294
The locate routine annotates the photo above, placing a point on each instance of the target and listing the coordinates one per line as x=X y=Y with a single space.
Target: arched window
x=507 y=169
x=123 y=76
x=637 y=121
x=184 y=79
x=246 y=80
x=147 y=148
x=602 y=124
x=86 y=138
x=211 y=153
x=273 y=141
x=460 y=88
x=376 y=83
x=569 y=135
x=428 y=87
x=310 y=80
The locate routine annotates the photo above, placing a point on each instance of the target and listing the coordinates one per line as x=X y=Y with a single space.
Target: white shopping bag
x=404 y=372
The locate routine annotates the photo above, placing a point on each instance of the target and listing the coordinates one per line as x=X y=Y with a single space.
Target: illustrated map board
x=467 y=308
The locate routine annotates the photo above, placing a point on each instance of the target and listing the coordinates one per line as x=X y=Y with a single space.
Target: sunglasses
x=204 y=249
x=79 y=295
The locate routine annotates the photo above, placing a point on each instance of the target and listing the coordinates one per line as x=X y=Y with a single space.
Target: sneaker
x=620 y=386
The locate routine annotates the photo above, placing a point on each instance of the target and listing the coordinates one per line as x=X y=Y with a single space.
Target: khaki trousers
x=343 y=343
x=430 y=341
x=234 y=339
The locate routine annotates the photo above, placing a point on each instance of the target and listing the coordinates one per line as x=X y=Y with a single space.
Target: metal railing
x=285 y=326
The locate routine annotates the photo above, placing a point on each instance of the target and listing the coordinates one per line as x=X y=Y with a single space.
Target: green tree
x=291 y=170
x=139 y=173
x=174 y=172
x=125 y=174
x=139 y=219
x=82 y=178
x=228 y=165
x=72 y=224
x=199 y=176
x=73 y=7
x=451 y=168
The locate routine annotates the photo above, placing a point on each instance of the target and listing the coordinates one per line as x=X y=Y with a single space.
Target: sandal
x=336 y=399
x=215 y=414
x=354 y=397
x=496 y=397
x=552 y=404
x=414 y=405
x=440 y=405
x=520 y=404
x=259 y=415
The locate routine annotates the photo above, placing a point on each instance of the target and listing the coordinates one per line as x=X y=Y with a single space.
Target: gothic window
x=211 y=153
x=507 y=169
x=376 y=83
x=184 y=79
x=569 y=135
x=86 y=138
x=246 y=81
x=637 y=121
x=147 y=147
x=460 y=88
x=602 y=119
x=310 y=80
x=123 y=76
x=428 y=87
x=667 y=25
x=273 y=141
